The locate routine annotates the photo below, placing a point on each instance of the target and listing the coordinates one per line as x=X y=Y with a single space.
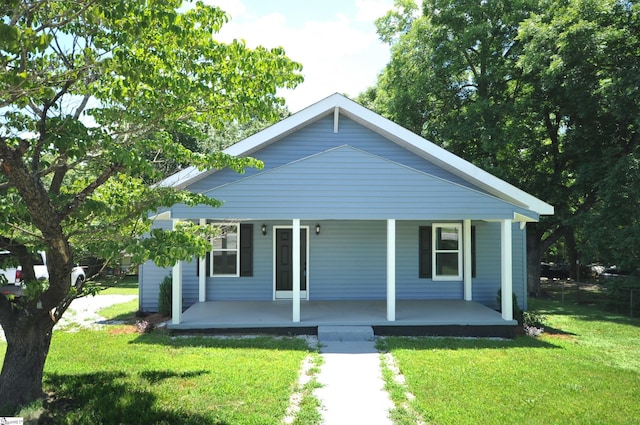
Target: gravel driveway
x=83 y=312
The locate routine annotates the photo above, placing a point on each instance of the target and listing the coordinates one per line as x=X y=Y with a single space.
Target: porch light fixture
x=264 y=230
x=318 y=229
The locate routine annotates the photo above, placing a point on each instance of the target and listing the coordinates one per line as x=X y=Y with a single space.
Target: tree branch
x=79 y=199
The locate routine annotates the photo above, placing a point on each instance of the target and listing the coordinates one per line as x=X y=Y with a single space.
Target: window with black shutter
x=425 y=257
x=232 y=252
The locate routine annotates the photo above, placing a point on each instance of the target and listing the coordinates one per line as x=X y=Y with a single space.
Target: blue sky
x=335 y=40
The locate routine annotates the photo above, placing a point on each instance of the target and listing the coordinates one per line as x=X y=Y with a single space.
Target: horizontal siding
x=408 y=284
x=488 y=278
x=319 y=137
x=347 y=261
x=346 y=183
x=151 y=276
x=257 y=287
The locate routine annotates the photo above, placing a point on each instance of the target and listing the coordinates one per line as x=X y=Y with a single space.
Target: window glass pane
x=224 y=262
x=447 y=238
x=447 y=264
x=227 y=240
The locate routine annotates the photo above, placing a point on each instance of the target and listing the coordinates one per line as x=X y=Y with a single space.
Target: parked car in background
x=554 y=271
x=13 y=278
x=614 y=273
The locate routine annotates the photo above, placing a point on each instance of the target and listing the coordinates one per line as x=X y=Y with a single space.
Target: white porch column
x=202 y=279
x=507 y=271
x=466 y=240
x=176 y=290
x=176 y=304
x=391 y=270
x=296 y=269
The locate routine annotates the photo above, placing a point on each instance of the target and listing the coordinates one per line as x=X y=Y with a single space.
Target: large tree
x=88 y=88
x=582 y=61
x=515 y=87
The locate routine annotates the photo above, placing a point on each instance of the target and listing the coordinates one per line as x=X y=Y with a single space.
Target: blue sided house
x=353 y=220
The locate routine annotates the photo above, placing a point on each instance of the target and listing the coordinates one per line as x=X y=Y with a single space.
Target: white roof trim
x=394 y=132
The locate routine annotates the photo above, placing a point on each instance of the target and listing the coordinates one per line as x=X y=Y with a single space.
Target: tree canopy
x=90 y=92
x=541 y=94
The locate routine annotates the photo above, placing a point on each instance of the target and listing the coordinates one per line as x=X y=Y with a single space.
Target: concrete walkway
x=352 y=389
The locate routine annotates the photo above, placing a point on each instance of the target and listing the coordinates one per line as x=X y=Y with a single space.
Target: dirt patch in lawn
x=144 y=323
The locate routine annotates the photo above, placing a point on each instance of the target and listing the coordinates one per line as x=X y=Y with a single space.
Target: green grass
x=118 y=285
x=108 y=378
x=584 y=371
x=114 y=376
x=124 y=312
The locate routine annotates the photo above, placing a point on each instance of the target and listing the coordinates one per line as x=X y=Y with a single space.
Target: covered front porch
x=396 y=305
x=413 y=317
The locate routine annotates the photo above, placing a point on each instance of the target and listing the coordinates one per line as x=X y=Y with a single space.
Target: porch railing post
x=176 y=289
x=466 y=232
x=296 y=269
x=176 y=306
x=202 y=279
x=391 y=270
x=506 y=270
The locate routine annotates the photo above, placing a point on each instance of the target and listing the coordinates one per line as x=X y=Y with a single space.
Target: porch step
x=345 y=333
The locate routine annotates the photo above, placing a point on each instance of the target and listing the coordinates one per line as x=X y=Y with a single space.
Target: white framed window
x=447 y=251
x=226 y=251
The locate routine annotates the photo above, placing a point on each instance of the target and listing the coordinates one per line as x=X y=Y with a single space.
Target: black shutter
x=424 y=252
x=473 y=251
x=246 y=249
x=207 y=264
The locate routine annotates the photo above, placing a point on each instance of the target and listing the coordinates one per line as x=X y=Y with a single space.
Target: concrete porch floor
x=413 y=317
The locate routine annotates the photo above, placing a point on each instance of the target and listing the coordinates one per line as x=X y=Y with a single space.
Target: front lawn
x=108 y=378
x=586 y=370
x=116 y=376
x=117 y=285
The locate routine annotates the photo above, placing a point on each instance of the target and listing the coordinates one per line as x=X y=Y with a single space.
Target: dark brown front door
x=284 y=262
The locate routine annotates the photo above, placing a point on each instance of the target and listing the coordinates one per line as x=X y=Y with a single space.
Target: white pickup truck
x=15 y=278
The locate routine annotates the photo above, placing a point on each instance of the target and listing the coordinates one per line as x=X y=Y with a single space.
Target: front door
x=284 y=263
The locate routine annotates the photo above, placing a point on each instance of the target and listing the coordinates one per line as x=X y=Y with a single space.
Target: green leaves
x=94 y=93
x=542 y=94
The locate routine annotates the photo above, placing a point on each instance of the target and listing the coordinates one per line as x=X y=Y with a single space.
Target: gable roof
x=340 y=105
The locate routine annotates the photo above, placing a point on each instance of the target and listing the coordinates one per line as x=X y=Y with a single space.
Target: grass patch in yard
x=124 y=312
x=117 y=285
x=585 y=371
x=101 y=378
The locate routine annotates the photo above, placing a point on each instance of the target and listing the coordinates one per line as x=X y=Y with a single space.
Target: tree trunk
x=572 y=252
x=538 y=242
x=28 y=341
x=534 y=257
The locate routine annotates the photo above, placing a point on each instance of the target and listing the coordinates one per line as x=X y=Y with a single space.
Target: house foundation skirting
x=413 y=317
x=496 y=331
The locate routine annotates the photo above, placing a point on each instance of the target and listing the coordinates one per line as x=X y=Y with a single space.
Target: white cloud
x=340 y=52
x=370 y=10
